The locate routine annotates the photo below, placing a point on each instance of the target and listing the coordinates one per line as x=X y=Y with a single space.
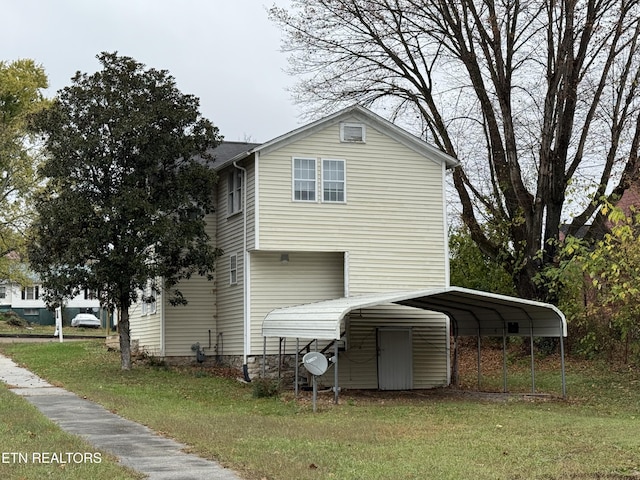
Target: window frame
x=343 y=162
x=234 y=191
x=152 y=306
x=34 y=289
x=295 y=179
x=346 y=125
x=233 y=269
x=149 y=307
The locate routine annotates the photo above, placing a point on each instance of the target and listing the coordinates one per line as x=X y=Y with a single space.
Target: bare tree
x=538 y=100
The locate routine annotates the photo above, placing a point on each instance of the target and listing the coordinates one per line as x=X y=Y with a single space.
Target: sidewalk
x=135 y=445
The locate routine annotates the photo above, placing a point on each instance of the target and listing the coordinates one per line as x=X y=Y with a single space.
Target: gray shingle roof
x=226 y=151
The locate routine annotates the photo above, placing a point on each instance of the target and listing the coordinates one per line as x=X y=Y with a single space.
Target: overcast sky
x=226 y=52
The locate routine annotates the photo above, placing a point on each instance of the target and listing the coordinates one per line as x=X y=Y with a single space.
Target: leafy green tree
x=21 y=94
x=471 y=268
x=613 y=268
x=127 y=188
x=597 y=284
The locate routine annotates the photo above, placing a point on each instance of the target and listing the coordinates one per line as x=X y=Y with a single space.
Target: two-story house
x=335 y=231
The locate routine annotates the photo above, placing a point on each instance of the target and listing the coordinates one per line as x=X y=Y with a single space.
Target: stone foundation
x=254 y=366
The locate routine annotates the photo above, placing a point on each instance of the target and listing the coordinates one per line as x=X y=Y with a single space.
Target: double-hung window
x=333 y=180
x=233 y=269
x=234 y=195
x=149 y=304
x=31 y=293
x=304 y=179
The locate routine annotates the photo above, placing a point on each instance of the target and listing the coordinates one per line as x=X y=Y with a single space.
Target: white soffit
x=472 y=312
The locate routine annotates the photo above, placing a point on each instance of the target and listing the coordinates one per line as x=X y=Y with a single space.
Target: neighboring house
x=28 y=302
x=346 y=215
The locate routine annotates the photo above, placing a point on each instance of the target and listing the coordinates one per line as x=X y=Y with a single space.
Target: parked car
x=86 y=320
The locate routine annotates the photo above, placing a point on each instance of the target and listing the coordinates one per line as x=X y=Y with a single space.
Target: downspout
x=162 y=327
x=245 y=280
x=447 y=276
x=447 y=272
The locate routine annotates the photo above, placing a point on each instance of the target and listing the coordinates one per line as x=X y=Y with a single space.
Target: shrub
x=14 y=319
x=265 y=387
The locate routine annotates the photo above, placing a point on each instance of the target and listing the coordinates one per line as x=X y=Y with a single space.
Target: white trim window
x=234 y=193
x=3 y=292
x=333 y=181
x=153 y=303
x=353 y=132
x=233 y=269
x=149 y=300
x=31 y=293
x=304 y=179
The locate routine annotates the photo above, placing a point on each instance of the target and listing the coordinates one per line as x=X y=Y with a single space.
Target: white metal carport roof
x=472 y=312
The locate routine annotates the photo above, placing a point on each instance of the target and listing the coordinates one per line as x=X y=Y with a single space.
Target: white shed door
x=395 y=359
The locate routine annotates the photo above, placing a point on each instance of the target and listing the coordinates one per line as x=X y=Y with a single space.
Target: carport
x=470 y=312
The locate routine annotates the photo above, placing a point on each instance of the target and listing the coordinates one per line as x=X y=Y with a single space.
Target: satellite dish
x=315 y=363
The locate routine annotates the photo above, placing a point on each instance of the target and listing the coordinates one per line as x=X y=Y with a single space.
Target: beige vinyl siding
x=250 y=209
x=392 y=223
x=193 y=323
x=307 y=277
x=229 y=238
x=146 y=330
x=358 y=367
x=187 y=324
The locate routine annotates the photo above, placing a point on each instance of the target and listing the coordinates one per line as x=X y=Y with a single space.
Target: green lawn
x=37 y=329
x=594 y=434
x=29 y=441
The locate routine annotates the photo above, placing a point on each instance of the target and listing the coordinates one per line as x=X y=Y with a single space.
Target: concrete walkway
x=135 y=445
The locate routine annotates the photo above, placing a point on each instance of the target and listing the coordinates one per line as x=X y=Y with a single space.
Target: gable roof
x=352 y=113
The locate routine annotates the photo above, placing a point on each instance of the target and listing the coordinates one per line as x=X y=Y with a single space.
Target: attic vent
x=352 y=132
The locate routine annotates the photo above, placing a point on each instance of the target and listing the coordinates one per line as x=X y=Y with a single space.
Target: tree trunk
x=125 y=339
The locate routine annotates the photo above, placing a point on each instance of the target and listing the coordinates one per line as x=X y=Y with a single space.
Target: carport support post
x=564 y=381
x=279 y=357
x=297 y=367
x=335 y=372
x=533 y=364
x=504 y=359
x=264 y=357
x=479 y=361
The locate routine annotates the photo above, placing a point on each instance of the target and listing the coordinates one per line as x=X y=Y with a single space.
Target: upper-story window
x=31 y=293
x=234 y=195
x=353 y=132
x=333 y=181
x=3 y=292
x=304 y=179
